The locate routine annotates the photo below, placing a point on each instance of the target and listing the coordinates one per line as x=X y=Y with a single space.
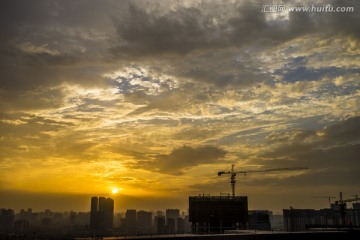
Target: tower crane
x=341 y=200
x=233 y=173
x=342 y=205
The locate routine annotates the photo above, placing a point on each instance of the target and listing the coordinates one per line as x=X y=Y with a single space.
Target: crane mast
x=233 y=173
x=342 y=205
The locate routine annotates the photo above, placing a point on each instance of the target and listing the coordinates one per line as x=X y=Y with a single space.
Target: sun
x=115 y=191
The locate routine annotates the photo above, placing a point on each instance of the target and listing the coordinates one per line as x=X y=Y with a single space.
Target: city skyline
x=146 y=101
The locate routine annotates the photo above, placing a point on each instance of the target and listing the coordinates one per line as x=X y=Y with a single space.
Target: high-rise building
x=303 y=219
x=170 y=225
x=171 y=219
x=109 y=212
x=130 y=220
x=102 y=213
x=144 y=221
x=160 y=224
x=7 y=218
x=187 y=224
x=94 y=212
x=217 y=213
x=172 y=213
x=180 y=225
x=159 y=213
x=21 y=226
x=260 y=219
x=277 y=222
x=297 y=219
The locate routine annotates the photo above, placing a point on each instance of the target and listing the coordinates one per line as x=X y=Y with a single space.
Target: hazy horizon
x=152 y=98
x=76 y=203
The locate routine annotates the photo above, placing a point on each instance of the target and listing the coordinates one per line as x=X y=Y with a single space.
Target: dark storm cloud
x=334 y=158
x=181 y=159
x=221 y=70
x=330 y=178
x=332 y=155
x=326 y=23
x=334 y=147
x=185 y=29
x=211 y=43
x=70 y=40
x=46 y=43
x=178 y=31
x=23 y=70
x=187 y=157
x=342 y=23
x=346 y=131
x=35 y=14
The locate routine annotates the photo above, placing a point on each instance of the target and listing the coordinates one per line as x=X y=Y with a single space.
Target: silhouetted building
x=144 y=221
x=21 y=226
x=260 y=219
x=356 y=206
x=302 y=219
x=46 y=222
x=187 y=224
x=7 y=218
x=296 y=219
x=100 y=218
x=130 y=220
x=109 y=213
x=277 y=222
x=171 y=216
x=172 y=213
x=159 y=213
x=218 y=213
x=170 y=225
x=180 y=225
x=102 y=213
x=94 y=212
x=160 y=225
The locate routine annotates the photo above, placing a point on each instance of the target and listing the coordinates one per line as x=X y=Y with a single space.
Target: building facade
x=303 y=219
x=260 y=219
x=7 y=218
x=215 y=214
x=144 y=222
x=102 y=213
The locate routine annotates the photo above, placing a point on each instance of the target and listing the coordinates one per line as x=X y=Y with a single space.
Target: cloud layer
x=156 y=97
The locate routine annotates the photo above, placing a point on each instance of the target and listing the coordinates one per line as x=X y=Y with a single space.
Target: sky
x=153 y=98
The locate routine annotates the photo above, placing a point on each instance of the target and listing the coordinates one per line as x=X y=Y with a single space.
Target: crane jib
x=233 y=173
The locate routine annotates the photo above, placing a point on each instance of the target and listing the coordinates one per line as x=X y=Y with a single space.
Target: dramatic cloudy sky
x=154 y=97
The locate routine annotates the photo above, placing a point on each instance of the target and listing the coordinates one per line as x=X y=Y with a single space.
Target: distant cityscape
x=101 y=220
x=206 y=214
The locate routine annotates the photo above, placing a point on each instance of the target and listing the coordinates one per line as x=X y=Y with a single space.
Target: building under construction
x=215 y=214
x=337 y=216
x=296 y=220
x=219 y=213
